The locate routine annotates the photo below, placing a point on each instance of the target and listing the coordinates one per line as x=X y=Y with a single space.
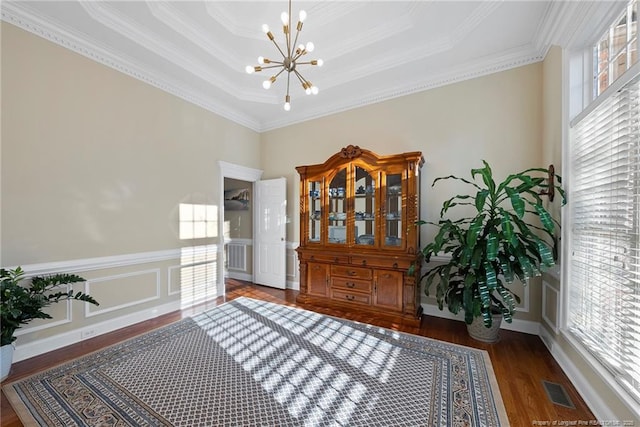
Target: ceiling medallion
x=290 y=57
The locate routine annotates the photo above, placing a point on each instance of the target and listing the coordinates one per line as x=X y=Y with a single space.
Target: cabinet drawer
x=351 y=284
x=320 y=257
x=386 y=262
x=353 y=272
x=354 y=297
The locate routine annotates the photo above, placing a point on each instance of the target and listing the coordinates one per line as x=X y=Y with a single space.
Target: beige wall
x=94 y=162
x=552 y=118
x=94 y=167
x=496 y=118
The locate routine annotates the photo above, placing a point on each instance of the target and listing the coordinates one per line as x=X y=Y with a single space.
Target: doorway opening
x=238 y=229
x=235 y=174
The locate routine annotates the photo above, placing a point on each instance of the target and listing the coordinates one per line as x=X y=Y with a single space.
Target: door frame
x=242 y=173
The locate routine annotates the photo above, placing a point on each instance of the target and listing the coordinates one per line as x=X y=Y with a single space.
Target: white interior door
x=269 y=257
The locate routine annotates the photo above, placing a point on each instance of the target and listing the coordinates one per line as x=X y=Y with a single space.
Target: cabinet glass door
x=393 y=214
x=338 y=208
x=364 y=207
x=315 y=211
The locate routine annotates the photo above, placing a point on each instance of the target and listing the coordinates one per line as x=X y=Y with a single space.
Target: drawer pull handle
x=351 y=285
x=353 y=273
x=364 y=262
x=350 y=297
x=395 y=265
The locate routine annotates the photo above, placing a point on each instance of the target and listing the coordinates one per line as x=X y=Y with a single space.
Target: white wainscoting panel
x=550 y=306
x=120 y=284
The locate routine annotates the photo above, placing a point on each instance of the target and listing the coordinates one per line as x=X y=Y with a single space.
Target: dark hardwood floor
x=520 y=361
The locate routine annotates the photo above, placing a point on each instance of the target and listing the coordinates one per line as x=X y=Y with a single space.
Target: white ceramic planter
x=479 y=332
x=6 y=359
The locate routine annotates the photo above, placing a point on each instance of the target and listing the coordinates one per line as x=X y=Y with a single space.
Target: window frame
x=579 y=101
x=609 y=34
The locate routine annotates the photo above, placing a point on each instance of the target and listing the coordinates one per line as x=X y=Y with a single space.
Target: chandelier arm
x=273 y=66
x=299 y=76
x=288 y=78
x=289 y=33
x=296 y=39
x=303 y=52
x=280 y=50
x=279 y=72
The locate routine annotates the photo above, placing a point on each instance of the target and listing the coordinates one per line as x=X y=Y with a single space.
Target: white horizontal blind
x=604 y=286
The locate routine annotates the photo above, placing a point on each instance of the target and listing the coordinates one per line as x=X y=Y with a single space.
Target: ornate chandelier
x=290 y=57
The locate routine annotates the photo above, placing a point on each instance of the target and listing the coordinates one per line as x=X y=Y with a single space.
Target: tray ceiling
x=372 y=50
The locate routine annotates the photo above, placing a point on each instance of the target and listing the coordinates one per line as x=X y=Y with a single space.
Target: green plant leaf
x=481 y=198
x=516 y=201
x=545 y=218
x=456 y=178
x=487 y=176
x=483 y=290
x=527 y=267
x=487 y=318
x=491 y=277
x=505 y=265
x=507 y=227
x=546 y=255
x=474 y=231
x=507 y=298
x=492 y=246
x=477 y=257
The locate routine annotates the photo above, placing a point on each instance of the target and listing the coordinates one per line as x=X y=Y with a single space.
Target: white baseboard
x=240 y=276
x=45 y=345
x=518 y=325
x=598 y=406
x=293 y=285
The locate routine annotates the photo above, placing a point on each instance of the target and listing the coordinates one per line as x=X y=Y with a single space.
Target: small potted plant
x=508 y=235
x=21 y=304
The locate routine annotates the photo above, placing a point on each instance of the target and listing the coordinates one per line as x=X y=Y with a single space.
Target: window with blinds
x=604 y=271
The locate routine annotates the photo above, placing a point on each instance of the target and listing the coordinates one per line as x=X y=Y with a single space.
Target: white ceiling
x=372 y=50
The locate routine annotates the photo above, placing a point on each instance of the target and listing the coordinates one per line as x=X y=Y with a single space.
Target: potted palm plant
x=21 y=304
x=508 y=235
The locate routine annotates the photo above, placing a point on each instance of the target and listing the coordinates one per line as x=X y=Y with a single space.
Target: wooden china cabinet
x=358 y=236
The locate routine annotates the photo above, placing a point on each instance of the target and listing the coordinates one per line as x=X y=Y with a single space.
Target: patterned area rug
x=255 y=363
